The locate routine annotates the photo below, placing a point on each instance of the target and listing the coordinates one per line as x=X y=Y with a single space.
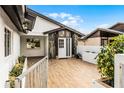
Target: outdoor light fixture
x=25 y=25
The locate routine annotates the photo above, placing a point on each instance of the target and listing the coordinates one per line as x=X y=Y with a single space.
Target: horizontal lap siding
x=6 y=63
x=96 y=41
x=42 y=25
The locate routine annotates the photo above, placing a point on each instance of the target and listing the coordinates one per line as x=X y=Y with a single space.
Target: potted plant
x=105 y=61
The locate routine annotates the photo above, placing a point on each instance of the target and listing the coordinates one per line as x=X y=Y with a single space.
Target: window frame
x=103 y=42
x=7 y=42
x=33 y=38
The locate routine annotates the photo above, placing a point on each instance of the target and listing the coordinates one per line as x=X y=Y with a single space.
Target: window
x=104 y=42
x=61 y=43
x=61 y=33
x=7 y=43
x=33 y=43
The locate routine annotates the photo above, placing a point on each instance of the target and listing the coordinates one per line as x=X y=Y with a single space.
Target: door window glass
x=61 y=43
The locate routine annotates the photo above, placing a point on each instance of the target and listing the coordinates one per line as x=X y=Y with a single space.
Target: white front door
x=64 y=47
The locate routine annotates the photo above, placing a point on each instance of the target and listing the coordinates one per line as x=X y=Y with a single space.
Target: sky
x=84 y=18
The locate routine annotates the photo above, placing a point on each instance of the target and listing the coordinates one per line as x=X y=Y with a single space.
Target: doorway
x=64 y=47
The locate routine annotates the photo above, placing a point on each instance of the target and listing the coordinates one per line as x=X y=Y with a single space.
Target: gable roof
x=63 y=28
x=102 y=29
x=119 y=23
x=34 y=13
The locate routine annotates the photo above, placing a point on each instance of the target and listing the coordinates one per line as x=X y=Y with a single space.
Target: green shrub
x=21 y=59
x=105 y=59
x=16 y=71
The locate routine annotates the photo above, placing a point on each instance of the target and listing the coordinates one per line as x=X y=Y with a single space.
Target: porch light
x=25 y=25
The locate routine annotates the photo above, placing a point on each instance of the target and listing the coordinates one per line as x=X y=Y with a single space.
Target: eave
x=104 y=30
x=16 y=15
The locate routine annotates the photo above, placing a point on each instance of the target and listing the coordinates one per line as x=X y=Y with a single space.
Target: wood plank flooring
x=67 y=73
x=71 y=73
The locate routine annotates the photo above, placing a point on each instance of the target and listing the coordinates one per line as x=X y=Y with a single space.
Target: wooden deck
x=71 y=73
x=66 y=73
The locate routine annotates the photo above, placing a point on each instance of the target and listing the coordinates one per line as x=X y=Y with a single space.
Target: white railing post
x=7 y=84
x=118 y=62
x=45 y=78
x=17 y=83
x=46 y=71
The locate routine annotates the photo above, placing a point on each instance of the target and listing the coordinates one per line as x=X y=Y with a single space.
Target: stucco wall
x=80 y=42
x=93 y=41
x=33 y=52
x=42 y=25
x=6 y=63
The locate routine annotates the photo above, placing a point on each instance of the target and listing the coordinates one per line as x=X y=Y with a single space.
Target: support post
x=118 y=75
x=7 y=84
x=17 y=83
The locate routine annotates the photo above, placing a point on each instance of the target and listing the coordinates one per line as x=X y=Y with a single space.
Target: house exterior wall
x=53 y=42
x=80 y=43
x=42 y=25
x=6 y=63
x=96 y=41
x=33 y=52
x=80 y=47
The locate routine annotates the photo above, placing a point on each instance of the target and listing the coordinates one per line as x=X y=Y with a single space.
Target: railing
x=34 y=77
x=119 y=71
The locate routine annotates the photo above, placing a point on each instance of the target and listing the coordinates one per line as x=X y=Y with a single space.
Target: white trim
x=11 y=47
x=64 y=51
x=70 y=49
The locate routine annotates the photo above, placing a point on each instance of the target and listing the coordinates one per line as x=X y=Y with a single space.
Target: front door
x=64 y=47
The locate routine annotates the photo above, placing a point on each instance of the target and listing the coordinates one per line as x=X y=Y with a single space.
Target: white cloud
x=59 y=15
x=103 y=26
x=74 y=21
x=54 y=15
x=64 y=15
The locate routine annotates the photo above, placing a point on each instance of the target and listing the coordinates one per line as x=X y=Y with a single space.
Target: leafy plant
x=16 y=71
x=21 y=59
x=105 y=59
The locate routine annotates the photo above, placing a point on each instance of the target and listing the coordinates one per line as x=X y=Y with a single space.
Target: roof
x=16 y=15
x=19 y=17
x=53 y=21
x=119 y=23
x=63 y=28
x=30 y=19
x=102 y=29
